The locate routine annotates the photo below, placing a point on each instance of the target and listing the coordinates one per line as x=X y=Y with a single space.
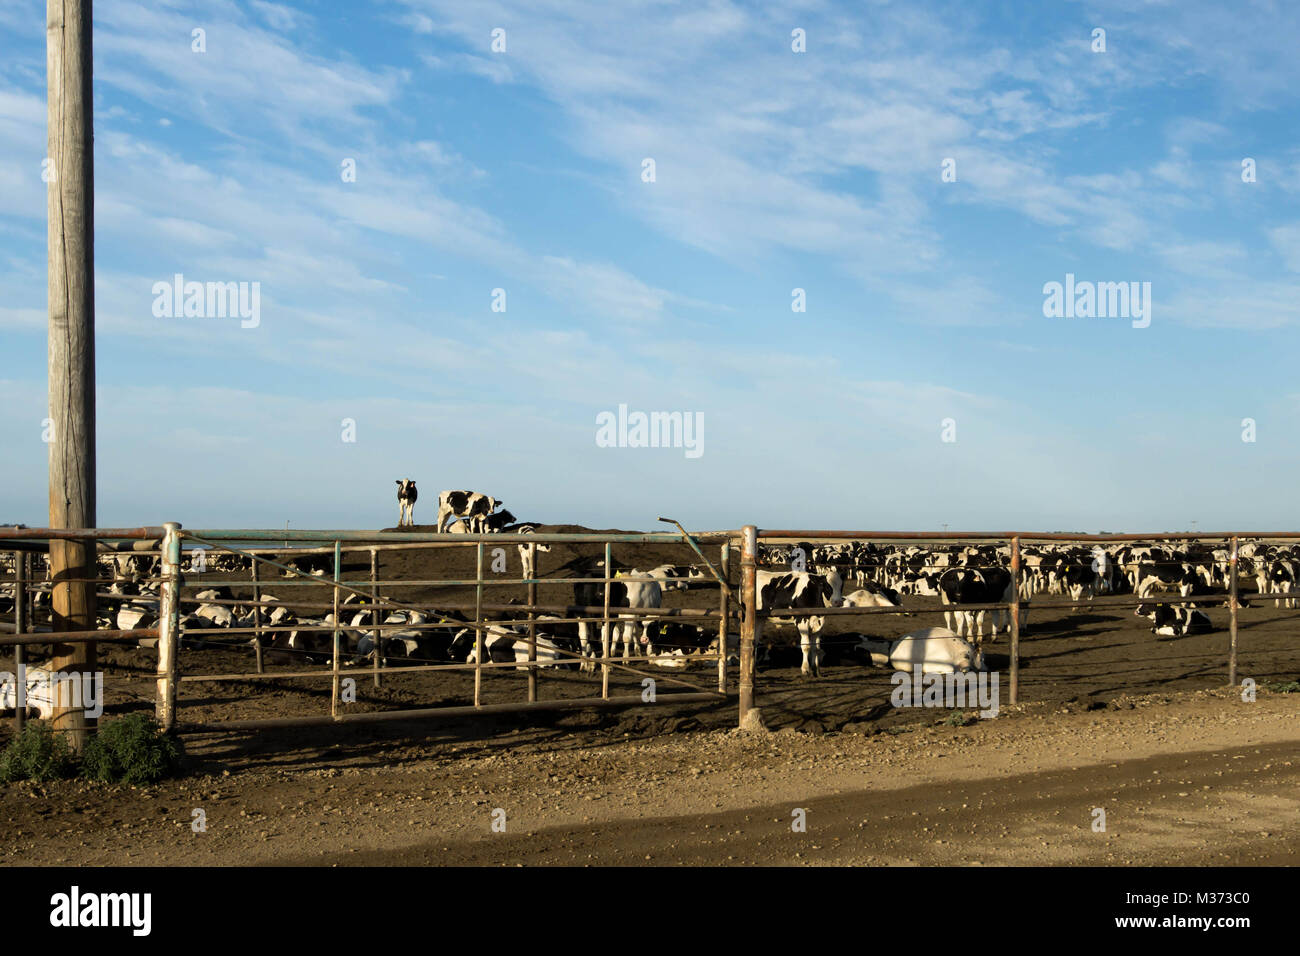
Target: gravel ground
x=1188 y=778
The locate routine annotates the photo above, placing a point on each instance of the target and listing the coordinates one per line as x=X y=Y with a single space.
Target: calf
x=469 y=505
x=795 y=590
x=406 y=498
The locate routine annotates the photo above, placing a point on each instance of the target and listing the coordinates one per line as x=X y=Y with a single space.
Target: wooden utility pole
x=71 y=189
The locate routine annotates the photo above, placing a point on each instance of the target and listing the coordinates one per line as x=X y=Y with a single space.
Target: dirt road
x=1189 y=779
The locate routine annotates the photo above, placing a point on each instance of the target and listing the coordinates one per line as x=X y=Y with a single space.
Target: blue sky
x=522 y=170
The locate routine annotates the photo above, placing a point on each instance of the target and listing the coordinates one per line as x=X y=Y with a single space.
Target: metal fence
x=282 y=553
x=372 y=588
x=1018 y=605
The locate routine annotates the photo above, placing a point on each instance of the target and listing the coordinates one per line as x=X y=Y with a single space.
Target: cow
x=406 y=498
x=1282 y=582
x=526 y=552
x=801 y=590
x=874 y=595
x=501 y=645
x=469 y=505
x=1166 y=576
x=935 y=650
x=1174 y=620
x=975 y=586
x=622 y=594
x=40 y=691
x=674 y=577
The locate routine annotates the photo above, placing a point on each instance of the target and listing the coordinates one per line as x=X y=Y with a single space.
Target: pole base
x=752 y=721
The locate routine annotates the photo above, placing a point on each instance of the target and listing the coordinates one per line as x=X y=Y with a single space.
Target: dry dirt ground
x=1186 y=772
x=1191 y=779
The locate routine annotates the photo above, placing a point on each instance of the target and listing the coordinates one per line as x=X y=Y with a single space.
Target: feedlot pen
x=238 y=669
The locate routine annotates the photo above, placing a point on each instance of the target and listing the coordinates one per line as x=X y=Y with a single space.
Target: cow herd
x=1178 y=580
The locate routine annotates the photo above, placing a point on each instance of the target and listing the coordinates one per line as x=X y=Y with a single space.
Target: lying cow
x=1174 y=620
x=502 y=646
x=492 y=524
x=935 y=650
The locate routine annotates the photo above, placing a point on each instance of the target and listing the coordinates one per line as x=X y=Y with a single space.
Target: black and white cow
x=406 y=498
x=1166 y=576
x=959 y=586
x=502 y=645
x=674 y=577
x=526 y=552
x=796 y=590
x=470 y=506
x=492 y=524
x=1175 y=620
x=622 y=594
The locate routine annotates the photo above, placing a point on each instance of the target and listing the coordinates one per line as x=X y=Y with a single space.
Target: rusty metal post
x=257 y=616
x=1232 y=614
x=169 y=626
x=374 y=609
x=20 y=628
x=1015 y=620
x=604 y=628
x=724 y=560
x=478 y=629
x=749 y=626
x=532 y=623
x=334 y=683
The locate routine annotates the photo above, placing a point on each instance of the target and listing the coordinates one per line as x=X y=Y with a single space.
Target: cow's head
x=506 y=517
x=832 y=589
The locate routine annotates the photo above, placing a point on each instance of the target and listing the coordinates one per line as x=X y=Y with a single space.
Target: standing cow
x=801 y=590
x=471 y=506
x=406 y=498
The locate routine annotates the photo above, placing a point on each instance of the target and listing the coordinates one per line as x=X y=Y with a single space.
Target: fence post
x=1015 y=620
x=334 y=682
x=1232 y=614
x=257 y=616
x=20 y=628
x=478 y=628
x=532 y=622
x=725 y=561
x=749 y=626
x=374 y=609
x=604 y=628
x=169 y=626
